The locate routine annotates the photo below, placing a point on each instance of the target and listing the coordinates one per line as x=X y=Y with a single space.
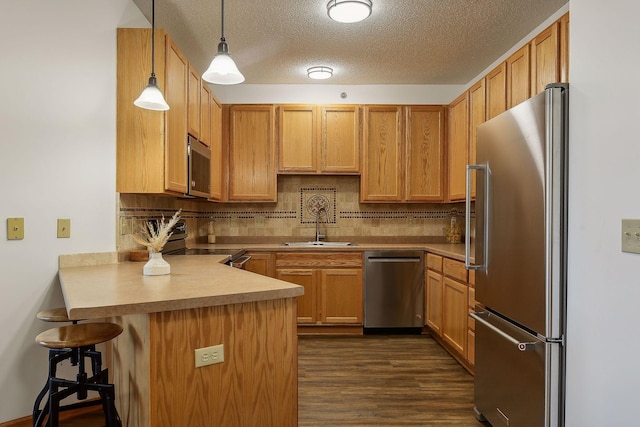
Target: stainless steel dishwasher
x=393 y=289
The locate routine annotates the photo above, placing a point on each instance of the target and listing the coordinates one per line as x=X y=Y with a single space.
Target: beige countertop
x=454 y=251
x=98 y=291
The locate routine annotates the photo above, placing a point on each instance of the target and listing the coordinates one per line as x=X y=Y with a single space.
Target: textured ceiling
x=402 y=42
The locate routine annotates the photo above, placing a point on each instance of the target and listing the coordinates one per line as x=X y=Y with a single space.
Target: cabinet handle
x=522 y=346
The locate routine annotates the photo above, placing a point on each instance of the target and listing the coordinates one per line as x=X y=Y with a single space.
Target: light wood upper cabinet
x=316 y=139
x=564 y=48
x=151 y=147
x=298 y=138
x=496 y=82
x=218 y=154
x=477 y=116
x=518 y=77
x=402 y=154
x=425 y=136
x=193 y=114
x=205 y=113
x=252 y=147
x=176 y=123
x=340 y=139
x=382 y=161
x=545 y=59
x=458 y=146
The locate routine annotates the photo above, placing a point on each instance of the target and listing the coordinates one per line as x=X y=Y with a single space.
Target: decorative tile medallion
x=316 y=201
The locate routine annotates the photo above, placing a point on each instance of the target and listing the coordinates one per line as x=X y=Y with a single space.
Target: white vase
x=156 y=266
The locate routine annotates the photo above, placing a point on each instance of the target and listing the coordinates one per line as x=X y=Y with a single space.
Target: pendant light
x=151 y=98
x=349 y=11
x=223 y=71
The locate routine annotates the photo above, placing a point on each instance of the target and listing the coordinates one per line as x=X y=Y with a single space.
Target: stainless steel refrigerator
x=520 y=256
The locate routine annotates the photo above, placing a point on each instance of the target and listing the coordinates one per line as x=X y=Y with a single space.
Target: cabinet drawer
x=319 y=259
x=455 y=269
x=434 y=262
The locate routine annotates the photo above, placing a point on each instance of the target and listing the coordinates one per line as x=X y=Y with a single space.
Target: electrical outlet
x=411 y=220
x=631 y=235
x=125 y=227
x=209 y=355
x=15 y=228
x=259 y=220
x=234 y=221
x=64 y=228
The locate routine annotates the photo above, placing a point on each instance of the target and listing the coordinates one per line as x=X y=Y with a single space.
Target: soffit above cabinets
x=402 y=42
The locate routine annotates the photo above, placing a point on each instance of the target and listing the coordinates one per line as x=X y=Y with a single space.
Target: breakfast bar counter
x=202 y=303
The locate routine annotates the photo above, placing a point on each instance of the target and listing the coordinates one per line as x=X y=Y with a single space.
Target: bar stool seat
x=54 y=315
x=80 y=335
x=76 y=342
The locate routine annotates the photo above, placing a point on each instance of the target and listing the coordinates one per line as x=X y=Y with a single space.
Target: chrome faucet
x=320 y=237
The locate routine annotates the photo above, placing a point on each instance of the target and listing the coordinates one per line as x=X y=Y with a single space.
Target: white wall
x=57 y=133
x=604 y=283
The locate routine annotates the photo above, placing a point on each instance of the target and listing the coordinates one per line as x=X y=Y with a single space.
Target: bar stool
x=76 y=342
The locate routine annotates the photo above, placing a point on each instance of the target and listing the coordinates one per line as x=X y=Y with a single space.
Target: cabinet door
x=193 y=111
x=176 y=119
x=297 y=138
x=425 y=153
x=496 y=82
x=252 y=169
x=477 y=116
x=458 y=147
x=564 y=48
x=454 y=318
x=518 y=77
x=340 y=139
x=260 y=263
x=382 y=171
x=545 y=59
x=341 y=296
x=217 y=152
x=433 y=301
x=205 y=114
x=307 y=303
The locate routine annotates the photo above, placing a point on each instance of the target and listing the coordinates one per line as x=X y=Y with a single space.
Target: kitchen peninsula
x=201 y=303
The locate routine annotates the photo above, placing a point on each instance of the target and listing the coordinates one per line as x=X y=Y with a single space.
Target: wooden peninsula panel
x=256 y=385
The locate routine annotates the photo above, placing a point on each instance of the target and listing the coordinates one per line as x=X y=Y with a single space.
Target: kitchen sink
x=319 y=244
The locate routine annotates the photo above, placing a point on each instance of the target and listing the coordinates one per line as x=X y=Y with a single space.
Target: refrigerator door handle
x=522 y=346
x=467 y=219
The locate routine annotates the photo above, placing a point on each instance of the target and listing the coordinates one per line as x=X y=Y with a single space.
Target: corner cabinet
x=151 y=146
x=403 y=154
x=333 y=288
x=252 y=153
x=318 y=139
x=458 y=148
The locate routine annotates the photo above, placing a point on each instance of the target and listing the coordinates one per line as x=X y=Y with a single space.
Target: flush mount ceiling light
x=349 y=11
x=151 y=98
x=223 y=71
x=319 y=73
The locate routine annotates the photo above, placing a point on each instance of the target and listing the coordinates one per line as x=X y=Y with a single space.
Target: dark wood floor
x=373 y=380
x=382 y=381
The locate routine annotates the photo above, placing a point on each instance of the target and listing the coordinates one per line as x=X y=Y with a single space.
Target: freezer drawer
x=512 y=380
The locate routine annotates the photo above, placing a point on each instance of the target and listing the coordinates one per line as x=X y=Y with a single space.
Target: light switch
x=15 y=228
x=631 y=235
x=64 y=228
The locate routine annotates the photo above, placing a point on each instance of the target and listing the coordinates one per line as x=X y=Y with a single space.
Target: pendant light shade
x=349 y=11
x=223 y=71
x=151 y=97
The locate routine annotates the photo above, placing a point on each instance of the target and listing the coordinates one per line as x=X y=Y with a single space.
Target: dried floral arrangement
x=155 y=239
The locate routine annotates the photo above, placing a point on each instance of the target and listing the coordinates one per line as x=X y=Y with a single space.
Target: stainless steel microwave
x=199 y=168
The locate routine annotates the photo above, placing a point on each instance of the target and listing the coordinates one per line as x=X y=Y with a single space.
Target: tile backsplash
x=300 y=199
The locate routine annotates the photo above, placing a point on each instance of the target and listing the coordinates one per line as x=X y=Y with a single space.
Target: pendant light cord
x=153 y=38
x=222 y=26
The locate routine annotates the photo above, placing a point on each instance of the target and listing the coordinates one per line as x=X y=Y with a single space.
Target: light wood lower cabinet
x=333 y=286
x=260 y=263
x=449 y=294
